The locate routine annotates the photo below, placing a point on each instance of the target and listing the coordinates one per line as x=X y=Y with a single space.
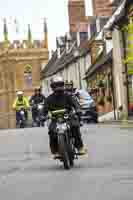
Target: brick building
x=20 y=66
x=78 y=21
x=102 y=7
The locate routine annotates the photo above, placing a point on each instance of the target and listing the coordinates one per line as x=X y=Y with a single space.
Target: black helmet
x=69 y=85
x=37 y=89
x=57 y=84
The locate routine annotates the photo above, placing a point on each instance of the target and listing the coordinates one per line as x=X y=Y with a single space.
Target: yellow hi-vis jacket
x=18 y=104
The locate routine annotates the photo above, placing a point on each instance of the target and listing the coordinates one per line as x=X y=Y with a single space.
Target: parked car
x=88 y=107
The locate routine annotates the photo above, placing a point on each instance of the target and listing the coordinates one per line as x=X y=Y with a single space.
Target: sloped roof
x=117 y=15
x=55 y=64
x=102 y=60
x=50 y=65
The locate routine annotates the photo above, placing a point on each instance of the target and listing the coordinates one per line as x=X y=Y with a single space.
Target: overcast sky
x=33 y=12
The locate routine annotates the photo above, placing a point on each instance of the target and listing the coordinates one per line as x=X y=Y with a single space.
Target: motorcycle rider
x=69 y=86
x=21 y=102
x=60 y=100
x=36 y=98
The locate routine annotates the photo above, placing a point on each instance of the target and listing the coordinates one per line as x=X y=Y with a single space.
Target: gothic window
x=1 y=81
x=28 y=76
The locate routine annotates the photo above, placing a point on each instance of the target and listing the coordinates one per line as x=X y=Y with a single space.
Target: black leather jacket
x=36 y=99
x=60 y=101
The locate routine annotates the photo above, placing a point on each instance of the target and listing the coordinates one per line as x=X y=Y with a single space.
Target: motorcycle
x=39 y=120
x=66 y=148
x=22 y=118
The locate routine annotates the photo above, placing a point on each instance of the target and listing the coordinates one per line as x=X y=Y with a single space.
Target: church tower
x=20 y=68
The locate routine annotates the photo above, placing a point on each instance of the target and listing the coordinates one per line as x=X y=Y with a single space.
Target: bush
x=109 y=99
x=101 y=101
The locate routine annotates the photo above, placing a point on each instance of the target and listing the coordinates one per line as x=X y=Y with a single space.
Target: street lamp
x=76 y=54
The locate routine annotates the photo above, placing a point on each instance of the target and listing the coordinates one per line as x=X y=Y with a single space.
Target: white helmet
x=57 y=83
x=20 y=93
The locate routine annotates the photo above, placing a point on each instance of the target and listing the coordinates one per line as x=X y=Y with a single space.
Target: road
x=27 y=171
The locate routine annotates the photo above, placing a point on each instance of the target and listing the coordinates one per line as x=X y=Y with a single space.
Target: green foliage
x=109 y=98
x=101 y=101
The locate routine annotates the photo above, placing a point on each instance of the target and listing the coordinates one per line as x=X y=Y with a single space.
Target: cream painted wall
x=118 y=69
x=71 y=72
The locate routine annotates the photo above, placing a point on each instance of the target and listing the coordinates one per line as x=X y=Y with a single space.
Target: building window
x=1 y=81
x=28 y=76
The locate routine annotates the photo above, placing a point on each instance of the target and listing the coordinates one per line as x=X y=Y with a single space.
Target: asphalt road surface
x=27 y=171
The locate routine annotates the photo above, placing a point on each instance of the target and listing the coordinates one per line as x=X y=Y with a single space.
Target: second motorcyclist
x=36 y=98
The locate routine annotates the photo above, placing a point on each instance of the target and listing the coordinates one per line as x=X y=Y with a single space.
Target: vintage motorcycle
x=39 y=120
x=66 y=147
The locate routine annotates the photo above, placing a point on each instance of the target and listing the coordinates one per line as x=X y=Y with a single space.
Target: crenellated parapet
x=23 y=44
x=29 y=43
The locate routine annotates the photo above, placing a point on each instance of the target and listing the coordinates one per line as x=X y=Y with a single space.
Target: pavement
x=27 y=171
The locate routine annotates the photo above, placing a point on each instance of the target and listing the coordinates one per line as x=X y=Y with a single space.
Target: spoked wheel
x=63 y=152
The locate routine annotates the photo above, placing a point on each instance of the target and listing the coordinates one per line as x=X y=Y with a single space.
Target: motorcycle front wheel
x=63 y=151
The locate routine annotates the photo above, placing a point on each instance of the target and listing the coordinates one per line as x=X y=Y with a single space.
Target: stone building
x=20 y=66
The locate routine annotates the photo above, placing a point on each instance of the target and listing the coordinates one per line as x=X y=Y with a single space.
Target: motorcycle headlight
x=40 y=107
x=22 y=112
x=61 y=127
x=60 y=120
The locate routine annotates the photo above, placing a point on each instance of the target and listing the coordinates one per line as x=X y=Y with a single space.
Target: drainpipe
x=113 y=92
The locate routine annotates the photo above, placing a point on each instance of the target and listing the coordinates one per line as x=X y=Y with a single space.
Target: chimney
x=52 y=52
x=68 y=40
x=58 y=48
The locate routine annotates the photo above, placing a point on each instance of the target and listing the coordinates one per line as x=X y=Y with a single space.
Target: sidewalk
x=108 y=118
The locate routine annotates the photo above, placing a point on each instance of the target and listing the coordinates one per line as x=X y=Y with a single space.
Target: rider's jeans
x=18 y=116
x=34 y=114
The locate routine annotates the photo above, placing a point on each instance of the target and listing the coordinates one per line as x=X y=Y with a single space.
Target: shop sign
x=107 y=34
x=97 y=49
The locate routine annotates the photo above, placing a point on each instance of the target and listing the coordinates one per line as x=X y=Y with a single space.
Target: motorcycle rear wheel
x=71 y=153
